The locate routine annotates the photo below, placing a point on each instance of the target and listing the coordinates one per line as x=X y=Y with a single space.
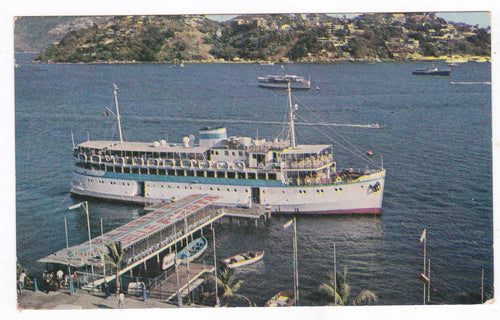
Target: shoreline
x=456 y=59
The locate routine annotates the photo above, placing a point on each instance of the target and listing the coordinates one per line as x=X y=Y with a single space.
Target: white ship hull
x=353 y=197
x=239 y=171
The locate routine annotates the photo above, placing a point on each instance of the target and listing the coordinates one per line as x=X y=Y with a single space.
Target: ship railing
x=309 y=163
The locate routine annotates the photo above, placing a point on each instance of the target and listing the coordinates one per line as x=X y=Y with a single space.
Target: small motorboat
x=281 y=299
x=243 y=259
x=193 y=250
x=432 y=71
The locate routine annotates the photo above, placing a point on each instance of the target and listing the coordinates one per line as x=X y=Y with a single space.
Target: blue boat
x=432 y=71
x=193 y=250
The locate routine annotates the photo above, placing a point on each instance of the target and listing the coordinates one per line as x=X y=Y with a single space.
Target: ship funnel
x=211 y=136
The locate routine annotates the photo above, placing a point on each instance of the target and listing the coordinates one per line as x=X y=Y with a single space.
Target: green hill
x=280 y=38
x=34 y=34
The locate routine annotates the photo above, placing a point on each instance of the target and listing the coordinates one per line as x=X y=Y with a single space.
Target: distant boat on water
x=281 y=82
x=432 y=71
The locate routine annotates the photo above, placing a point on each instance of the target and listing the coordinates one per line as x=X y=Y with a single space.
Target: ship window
x=231 y=175
x=200 y=173
x=251 y=175
x=162 y=172
x=171 y=172
x=221 y=174
x=95 y=166
x=210 y=174
x=144 y=170
x=240 y=153
x=180 y=173
x=135 y=170
x=242 y=175
x=126 y=169
x=262 y=176
x=102 y=166
x=190 y=173
x=226 y=153
x=272 y=176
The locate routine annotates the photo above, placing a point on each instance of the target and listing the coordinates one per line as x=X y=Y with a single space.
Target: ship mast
x=117 y=112
x=292 y=116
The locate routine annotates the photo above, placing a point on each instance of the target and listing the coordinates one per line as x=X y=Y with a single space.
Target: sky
x=482 y=19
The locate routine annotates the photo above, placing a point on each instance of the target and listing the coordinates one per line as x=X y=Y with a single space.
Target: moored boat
x=432 y=71
x=193 y=250
x=243 y=259
x=281 y=299
x=282 y=82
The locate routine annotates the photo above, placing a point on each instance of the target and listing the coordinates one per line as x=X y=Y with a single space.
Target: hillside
x=280 y=38
x=34 y=34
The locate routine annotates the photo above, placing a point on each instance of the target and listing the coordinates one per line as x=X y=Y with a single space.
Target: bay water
x=435 y=144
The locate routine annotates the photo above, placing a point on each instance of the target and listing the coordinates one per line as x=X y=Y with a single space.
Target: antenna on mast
x=117 y=111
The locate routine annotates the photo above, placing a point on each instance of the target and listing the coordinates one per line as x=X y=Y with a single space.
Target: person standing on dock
x=22 y=276
x=121 y=300
x=60 y=276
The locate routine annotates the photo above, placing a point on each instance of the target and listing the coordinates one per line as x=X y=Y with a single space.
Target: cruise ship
x=241 y=171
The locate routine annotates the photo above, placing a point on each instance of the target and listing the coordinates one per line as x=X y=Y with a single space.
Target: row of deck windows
x=180 y=172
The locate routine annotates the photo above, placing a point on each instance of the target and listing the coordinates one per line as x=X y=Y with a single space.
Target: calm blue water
x=436 y=147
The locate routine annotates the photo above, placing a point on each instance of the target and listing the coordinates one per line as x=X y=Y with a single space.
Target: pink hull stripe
x=348 y=211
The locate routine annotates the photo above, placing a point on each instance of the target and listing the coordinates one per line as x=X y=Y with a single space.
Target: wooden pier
x=170 y=288
x=254 y=214
x=148 y=236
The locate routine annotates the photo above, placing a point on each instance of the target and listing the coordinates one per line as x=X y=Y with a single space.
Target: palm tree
x=227 y=285
x=115 y=256
x=327 y=295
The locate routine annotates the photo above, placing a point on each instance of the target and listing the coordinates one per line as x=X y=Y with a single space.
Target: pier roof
x=131 y=233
